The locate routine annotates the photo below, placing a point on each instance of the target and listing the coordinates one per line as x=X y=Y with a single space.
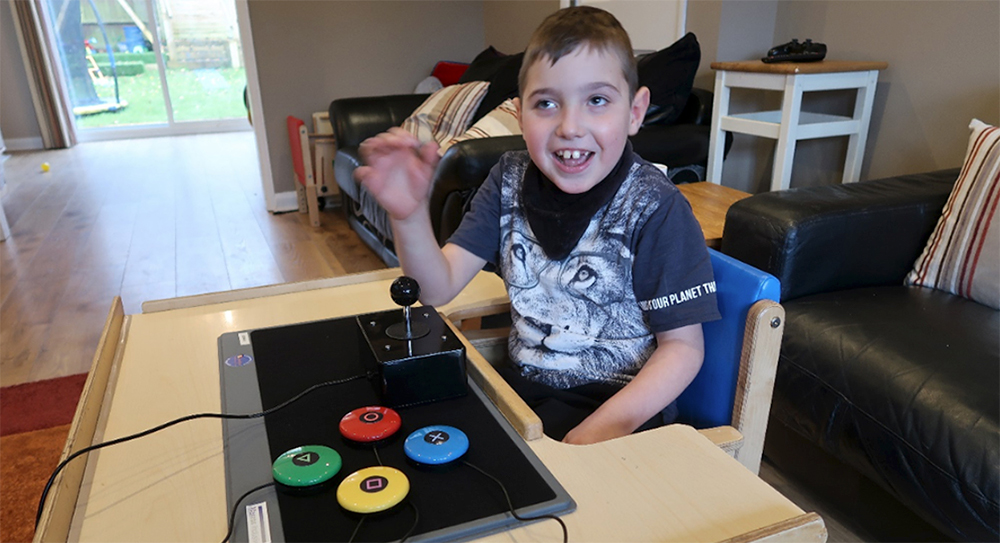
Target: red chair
x=298 y=140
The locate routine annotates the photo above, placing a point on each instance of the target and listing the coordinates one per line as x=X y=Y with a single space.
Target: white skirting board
x=24 y=144
x=285 y=201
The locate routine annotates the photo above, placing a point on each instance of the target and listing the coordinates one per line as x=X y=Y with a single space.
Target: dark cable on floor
x=144 y=433
x=236 y=506
x=377 y=458
x=511 y=504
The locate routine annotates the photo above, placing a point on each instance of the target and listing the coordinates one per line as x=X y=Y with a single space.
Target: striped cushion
x=446 y=113
x=502 y=121
x=962 y=256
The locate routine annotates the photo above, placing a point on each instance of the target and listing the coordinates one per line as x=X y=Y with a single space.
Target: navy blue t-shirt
x=641 y=267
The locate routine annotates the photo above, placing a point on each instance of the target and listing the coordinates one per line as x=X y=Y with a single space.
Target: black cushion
x=669 y=74
x=503 y=83
x=816 y=239
x=482 y=68
x=901 y=383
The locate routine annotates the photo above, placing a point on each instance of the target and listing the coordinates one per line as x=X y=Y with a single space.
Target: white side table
x=791 y=124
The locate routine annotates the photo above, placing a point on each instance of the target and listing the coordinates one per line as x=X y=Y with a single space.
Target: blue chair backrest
x=708 y=401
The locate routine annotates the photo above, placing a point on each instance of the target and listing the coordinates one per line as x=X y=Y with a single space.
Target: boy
x=594 y=244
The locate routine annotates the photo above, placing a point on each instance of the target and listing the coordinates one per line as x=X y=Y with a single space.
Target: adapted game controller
x=370 y=424
x=405 y=291
x=416 y=360
x=436 y=445
x=306 y=469
x=368 y=474
x=372 y=490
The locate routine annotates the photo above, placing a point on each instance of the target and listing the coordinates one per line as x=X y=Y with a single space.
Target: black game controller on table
x=794 y=51
x=414 y=359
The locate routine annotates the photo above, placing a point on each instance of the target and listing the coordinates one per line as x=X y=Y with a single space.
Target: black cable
x=236 y=506
x=416 y=519
x=356 y=528
x=511 y=505
x=144 y=433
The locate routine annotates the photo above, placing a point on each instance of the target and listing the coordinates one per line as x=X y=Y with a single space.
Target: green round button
x=306 y=466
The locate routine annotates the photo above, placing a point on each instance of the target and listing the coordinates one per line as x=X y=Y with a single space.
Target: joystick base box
x=415 y=371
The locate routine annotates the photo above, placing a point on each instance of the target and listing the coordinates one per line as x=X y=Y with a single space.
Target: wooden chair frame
x=743 y=439
x=306 y=178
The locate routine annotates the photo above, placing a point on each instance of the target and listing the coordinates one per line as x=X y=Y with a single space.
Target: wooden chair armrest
x=758 y=365
x=520 y=416
x=727 y=438
x=496 y=306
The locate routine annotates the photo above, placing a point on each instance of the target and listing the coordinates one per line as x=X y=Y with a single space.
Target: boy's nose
x=569 y=125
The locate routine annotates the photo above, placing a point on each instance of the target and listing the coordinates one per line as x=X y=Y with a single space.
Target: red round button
x=372 y=423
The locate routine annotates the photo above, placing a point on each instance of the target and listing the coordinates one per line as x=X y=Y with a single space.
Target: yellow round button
x=374 y=489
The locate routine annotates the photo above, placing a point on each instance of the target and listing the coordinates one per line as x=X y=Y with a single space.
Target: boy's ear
x=639 y=106
x=517 y=107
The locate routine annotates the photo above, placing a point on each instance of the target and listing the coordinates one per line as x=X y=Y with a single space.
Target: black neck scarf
x=558 y=219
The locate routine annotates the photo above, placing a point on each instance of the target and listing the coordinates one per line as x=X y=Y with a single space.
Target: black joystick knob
x=405 y=291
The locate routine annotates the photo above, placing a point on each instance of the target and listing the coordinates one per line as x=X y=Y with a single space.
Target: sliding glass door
x=149 y=67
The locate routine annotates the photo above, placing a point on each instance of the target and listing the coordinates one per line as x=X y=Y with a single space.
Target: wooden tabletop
x=710 y=202
x=669 y=484
x=819 y=67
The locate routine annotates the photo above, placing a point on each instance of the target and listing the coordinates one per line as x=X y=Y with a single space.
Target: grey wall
x=309 y=53
x=509 y=23
x=730 y=31
x=17 y=115
x=944 y=69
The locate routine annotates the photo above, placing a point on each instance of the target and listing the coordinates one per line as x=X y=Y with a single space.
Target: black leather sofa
x=681 y=145
x=899 y=383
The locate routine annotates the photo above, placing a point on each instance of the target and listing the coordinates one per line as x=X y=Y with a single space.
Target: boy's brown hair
x=566 y=30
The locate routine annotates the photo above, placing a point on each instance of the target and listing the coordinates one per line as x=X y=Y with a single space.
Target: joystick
x=416 y=360
x=405 y=291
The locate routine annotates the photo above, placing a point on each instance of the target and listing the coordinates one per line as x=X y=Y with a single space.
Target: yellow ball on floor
x=45 y=166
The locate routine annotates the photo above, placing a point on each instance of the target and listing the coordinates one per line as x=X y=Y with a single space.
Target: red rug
x=34 y=423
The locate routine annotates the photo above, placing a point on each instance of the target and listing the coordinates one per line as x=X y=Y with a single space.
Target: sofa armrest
x=357 y=119
x=827 y=238
x=462 y=169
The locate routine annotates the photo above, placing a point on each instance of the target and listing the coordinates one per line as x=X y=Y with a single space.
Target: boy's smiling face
x=576 y=116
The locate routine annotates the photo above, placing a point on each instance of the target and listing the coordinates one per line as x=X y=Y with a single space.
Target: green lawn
x=196 y=95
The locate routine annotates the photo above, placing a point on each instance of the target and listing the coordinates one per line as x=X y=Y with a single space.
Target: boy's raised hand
x=397 y=171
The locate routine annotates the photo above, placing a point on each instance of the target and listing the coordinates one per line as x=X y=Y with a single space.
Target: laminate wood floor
x=143 y=219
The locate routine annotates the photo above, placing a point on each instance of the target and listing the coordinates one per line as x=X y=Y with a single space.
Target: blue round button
x=436 y=445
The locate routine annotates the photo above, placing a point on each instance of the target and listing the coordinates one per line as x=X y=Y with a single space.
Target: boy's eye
x=545 y=104
x=598 y=100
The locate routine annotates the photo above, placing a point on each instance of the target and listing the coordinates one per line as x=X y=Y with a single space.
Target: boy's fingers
x=365 y=175
x=429 y=153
